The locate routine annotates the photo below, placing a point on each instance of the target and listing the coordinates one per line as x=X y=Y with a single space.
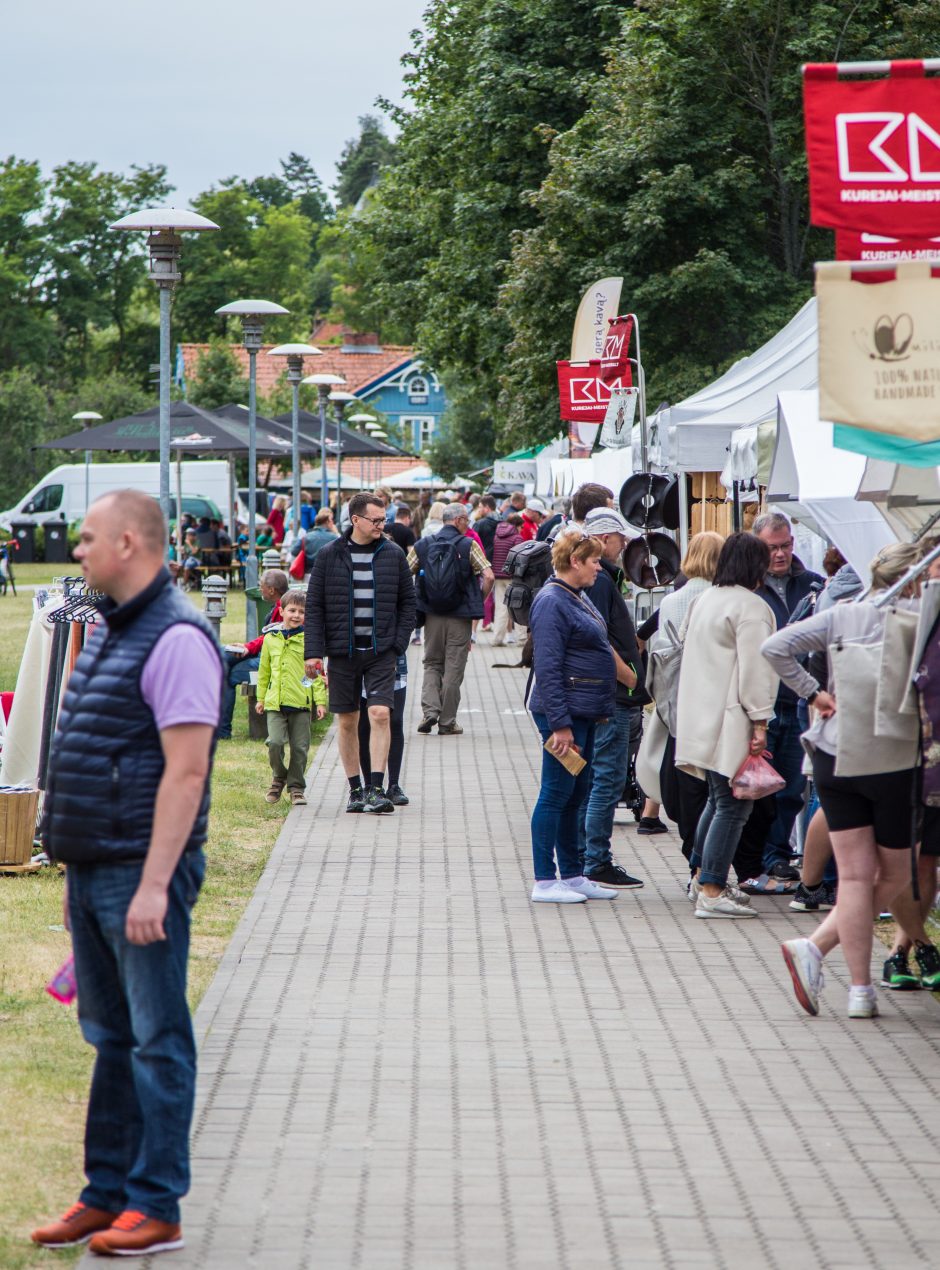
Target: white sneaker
x=512 y=639
x=723 y=905
x=805 y=967
x=557 y=893
x=591 y=890
x=863 y=1004
x=695 y=887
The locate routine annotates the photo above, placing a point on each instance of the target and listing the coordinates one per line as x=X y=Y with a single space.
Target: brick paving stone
x=406 y=1064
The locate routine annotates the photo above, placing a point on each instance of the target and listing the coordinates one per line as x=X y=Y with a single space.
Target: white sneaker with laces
x=863 y=1003
x=806 y=970
x=557 y=893
x=723 y=905
x=591 y=890
x=694 y=889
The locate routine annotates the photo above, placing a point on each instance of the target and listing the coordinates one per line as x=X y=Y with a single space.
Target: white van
x=60 y=495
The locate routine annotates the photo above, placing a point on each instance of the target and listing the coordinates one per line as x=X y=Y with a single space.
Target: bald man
x=126 y=810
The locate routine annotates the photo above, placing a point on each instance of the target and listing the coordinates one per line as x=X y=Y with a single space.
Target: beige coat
x=725 y=684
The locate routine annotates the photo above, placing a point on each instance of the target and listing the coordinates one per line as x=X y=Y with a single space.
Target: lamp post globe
x=85 y=417
x=164 y=227
x=324 y=383
x=253 y=314
x=294 y=355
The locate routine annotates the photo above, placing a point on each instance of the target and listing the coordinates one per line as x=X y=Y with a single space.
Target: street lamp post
x=378 y=435
x=253 y=314
x=295 y=354
x=340 y=401
x=362 y=422
x=324 y=383
x=86 y=416
x=164 y=225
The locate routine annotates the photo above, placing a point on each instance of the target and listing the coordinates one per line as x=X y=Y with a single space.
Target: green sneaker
x=897 y=974
x=928 y=958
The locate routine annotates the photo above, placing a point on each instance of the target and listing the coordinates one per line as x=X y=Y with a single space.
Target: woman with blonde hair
x=575 y=682
x=435 y=521
x=698 y=566
x=869 y=816
x=276 y=518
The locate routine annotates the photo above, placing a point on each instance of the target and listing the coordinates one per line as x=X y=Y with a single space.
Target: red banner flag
x=874 y=150
x=617 y=343
x=584 y=388
x=852 y=245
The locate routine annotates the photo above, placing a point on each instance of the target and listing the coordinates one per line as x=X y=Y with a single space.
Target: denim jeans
x=783 y=741
x=238 y=671
x=612 y=742
x=555 y=815
x=719 y=831
x=132 y=1008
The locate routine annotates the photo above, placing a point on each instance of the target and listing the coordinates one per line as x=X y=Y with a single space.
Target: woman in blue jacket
x=575 y=683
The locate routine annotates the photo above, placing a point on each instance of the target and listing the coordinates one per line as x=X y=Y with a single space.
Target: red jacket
x=276 y=521
x=254 y=645
x=529 y=527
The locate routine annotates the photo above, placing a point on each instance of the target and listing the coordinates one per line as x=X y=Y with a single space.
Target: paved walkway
x=406 y=1064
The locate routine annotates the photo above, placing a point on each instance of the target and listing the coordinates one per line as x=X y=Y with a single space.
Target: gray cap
x=604 y=520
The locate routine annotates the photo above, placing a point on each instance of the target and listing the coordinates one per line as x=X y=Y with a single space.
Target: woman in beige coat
x=726 y=696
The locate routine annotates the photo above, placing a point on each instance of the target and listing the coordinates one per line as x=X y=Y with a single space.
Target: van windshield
x=47 y=499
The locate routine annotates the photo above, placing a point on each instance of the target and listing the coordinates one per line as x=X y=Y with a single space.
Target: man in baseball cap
x=615 y=739
x=532 y=517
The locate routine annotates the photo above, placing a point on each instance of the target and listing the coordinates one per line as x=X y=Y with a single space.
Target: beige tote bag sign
x=879 y=350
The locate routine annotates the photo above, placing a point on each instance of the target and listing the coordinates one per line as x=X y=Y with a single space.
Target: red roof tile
x=357 y=368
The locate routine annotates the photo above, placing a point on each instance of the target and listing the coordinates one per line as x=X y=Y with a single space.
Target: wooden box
x=18 y=810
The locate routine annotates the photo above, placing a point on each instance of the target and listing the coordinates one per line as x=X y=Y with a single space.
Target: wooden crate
x=18 y=810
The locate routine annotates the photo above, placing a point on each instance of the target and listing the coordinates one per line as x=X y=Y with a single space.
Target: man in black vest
x=127 y=810
x=449 y=625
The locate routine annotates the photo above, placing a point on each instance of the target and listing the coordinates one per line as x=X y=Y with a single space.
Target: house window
x=422 y=429
x=418 y=390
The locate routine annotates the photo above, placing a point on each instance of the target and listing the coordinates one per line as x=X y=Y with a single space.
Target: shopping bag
x=617 y=429
x=296 y=569
x=755 y=778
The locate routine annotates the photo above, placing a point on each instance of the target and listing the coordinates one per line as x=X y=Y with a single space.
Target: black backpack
x=529 y=566
x=443 y=574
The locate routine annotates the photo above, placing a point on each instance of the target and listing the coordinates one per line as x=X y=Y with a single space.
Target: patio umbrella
x=192 y=429
x=355 y=444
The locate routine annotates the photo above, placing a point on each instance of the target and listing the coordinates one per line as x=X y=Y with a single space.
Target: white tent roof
x=693 y=436
x=816 y=483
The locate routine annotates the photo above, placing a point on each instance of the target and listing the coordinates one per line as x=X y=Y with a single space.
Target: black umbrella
x=192 y=430
x=355 y=444
x=269 y=429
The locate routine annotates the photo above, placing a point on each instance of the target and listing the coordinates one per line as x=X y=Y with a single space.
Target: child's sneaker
x=297 y=798
x=274 y=793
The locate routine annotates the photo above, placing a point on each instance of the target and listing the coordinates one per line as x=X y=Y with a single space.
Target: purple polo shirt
x=182 y=678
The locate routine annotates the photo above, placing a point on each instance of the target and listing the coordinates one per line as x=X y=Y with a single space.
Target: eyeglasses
x=372 y=520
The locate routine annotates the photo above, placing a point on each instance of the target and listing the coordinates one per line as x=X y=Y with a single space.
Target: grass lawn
x=44 y=1064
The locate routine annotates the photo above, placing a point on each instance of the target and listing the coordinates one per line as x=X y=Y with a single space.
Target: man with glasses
x=786 y=583
x=451 y=568
x=360 y=614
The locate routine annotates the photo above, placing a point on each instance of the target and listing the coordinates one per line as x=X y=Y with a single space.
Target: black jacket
x=607 y=598
x=107 y=760
x=328 y=617
x=799 y=584
x=486 y=528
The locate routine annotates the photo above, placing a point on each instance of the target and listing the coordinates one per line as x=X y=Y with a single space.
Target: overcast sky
x=211 y=88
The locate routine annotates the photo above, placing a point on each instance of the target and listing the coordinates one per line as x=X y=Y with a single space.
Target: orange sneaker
x=135 y=1234
x=74 y=1227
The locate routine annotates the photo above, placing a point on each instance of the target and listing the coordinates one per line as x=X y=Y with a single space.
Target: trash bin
x=262 y=607
x=57 y=541
x=24 y=533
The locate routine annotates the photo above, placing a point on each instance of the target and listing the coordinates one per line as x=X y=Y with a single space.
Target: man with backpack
x=450 y=568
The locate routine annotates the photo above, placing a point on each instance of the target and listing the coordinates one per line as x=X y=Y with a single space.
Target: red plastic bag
x=755 y=778
x=296 y=569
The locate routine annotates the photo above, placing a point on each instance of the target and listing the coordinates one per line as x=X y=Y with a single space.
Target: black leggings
x=396 y=749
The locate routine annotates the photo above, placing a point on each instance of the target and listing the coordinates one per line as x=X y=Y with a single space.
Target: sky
x=211 y=88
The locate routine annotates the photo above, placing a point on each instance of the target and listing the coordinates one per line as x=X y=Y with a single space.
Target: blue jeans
x=132 y=1008
x=612 y=742
x=719 y=831
x=555 y=815
x=238 y=671
x=783 y=741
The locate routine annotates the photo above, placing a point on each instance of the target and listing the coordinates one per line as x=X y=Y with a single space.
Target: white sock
x=545 y=883
x=576 y=884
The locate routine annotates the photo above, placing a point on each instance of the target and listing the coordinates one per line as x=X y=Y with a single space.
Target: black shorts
x=930 y=832
x=348 y=675
x=852 y=802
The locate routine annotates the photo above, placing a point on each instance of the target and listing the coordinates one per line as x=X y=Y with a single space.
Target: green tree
x=23 y=414
x=219 y=378
x=362 y=161
x=487 y=88
x=26 y=329
x=466 y=440
x=686 y=175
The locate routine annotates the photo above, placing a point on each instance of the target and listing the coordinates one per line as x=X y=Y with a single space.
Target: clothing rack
x=70 y=620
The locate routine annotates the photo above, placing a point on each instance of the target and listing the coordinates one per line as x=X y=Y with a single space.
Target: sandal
x=767 y=885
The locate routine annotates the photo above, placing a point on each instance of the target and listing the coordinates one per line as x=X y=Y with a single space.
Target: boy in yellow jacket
x=285 y=693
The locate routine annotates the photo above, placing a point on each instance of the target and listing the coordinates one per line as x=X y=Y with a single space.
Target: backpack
x=662 y=672
x=443 y=575
x=529 y=566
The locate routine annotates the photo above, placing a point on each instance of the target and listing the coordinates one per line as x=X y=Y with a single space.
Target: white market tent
x=816 y=483
x=694 y=435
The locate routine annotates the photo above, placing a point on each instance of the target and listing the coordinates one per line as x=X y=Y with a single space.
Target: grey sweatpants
x=446 y=647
